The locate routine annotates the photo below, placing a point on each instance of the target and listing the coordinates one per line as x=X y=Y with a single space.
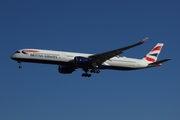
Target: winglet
x=144 y=39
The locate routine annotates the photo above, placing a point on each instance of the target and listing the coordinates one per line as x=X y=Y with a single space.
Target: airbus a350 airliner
x=70 y=61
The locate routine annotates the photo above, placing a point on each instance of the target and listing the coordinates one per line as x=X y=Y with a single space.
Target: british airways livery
x=70 y=61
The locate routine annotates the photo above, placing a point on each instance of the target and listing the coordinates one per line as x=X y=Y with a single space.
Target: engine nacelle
x=82 y=61
x=65 y=69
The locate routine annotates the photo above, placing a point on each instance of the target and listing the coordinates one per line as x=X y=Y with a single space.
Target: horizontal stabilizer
x=158 y=63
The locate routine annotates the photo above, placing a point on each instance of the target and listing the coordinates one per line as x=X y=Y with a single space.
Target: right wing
x=98 y=59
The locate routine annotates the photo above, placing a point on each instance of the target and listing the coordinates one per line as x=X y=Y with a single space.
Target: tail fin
x=152 y=56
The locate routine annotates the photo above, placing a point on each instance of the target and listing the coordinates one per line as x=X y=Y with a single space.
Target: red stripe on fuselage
x=30 y=51
x=149 y=59
x=156 y=48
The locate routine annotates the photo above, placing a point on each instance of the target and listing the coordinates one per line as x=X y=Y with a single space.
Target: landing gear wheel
x=86 y=75
x=20 y=67
x=83 y=75
x=89 y=75
x=95 y=71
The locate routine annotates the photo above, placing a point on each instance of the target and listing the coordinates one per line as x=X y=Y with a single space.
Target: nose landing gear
x=20 y=65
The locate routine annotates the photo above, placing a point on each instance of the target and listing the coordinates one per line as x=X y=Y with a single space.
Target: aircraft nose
x=13 y=56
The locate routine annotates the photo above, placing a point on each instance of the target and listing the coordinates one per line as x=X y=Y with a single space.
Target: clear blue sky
x=39 y=92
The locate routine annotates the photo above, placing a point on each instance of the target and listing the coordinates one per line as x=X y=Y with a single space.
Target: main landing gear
x=86 y=75
x=95 y=71
x=20 y=65
x=92 y=71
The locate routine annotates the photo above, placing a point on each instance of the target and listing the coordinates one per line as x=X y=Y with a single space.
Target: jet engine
x=65 y=69
x=82 y=61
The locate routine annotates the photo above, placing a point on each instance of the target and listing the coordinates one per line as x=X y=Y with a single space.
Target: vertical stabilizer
x=154 y=53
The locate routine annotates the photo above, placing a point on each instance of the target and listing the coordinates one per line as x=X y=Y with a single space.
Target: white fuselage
x=63 y=58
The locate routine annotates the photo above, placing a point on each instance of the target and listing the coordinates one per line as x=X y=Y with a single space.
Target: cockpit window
x=17 y=52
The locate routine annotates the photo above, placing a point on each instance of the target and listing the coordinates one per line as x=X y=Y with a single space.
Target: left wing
x=98 y=59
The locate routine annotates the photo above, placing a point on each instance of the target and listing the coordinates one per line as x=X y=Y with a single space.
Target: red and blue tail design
x=153 y=54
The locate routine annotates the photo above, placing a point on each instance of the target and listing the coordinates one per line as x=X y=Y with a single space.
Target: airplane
x=68 y=62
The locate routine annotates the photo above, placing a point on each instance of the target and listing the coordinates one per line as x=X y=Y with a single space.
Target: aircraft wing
x=98 y=59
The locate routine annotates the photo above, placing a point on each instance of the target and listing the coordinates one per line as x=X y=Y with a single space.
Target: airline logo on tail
x=154 y=53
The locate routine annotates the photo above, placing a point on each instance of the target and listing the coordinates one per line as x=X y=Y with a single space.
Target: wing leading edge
x=98 y=59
